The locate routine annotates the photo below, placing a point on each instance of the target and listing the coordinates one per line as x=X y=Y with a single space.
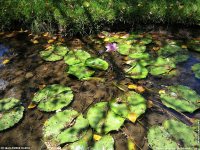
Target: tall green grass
x=74 y=16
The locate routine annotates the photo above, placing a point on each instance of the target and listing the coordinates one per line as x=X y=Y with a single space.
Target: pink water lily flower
x=111 y=47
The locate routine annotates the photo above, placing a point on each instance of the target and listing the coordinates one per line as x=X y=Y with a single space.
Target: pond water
x=26 y=73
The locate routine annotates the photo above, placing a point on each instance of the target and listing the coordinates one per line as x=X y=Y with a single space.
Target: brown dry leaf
x=96 y=137
x=42 y=86
x=140 y=89
x=45 y=34
x=2 y=33
x=6 y=61
x=31 y=105
x=149 y=104
x=11 y=35
x=183 y=46
x=1 y=115
x=156 y=48
x=34 y=41
x=132 y=86
x=132 y=117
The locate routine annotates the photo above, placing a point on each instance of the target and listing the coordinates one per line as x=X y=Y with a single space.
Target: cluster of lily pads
x=75 y=129
x=140 y=62
x=80 y=63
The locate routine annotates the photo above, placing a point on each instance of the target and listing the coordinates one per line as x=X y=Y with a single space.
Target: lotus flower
x=111 y=47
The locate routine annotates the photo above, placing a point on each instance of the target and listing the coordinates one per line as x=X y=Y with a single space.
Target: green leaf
x=137 y=71
x=74 y=133
x=8 y=103
x=124 y=49
x=196 y=70
x=97 y=63
x=53 y=97
x=173 y=134
x=99 y=116
x=10 y=118
x=131 y=103
x=76 y=57
x=80 y=71
x=180 y=98
x=105 y=143
x=194 y=45
x=162 y=66
x=55 y=125
x=54 y=53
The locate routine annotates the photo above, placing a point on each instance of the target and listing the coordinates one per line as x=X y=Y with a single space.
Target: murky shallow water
x=26 y=73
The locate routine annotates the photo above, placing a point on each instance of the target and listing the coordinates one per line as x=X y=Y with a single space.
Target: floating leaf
x=124 y=49
x=105 y=143
x=31 y=105
x=137 y=71
x=6 y=61
x=53 y=97
x=97 y=63
x=54 y=53
x=11 y=117
x=80 y=71
x=196 y=70
x=194 y=45
x=180 y=98
x=130 y=106
x=8 y=103
x=173 y=134
x=96 y=137
x=76 y=57
x=162 y=66
x=102 y=119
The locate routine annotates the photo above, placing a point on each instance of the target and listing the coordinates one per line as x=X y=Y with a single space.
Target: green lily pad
x=54 y=53
x=80 y=71
x=97 y=63
x=173 y=134
x=76 y=57
x=194 y=45
x=196 y=70
x=74 y=133
x=162 y=66
x=180 y=98
x=55 y=125
x=53 y=97
x=130 y=106
x=102 y=119
x=105 y=143
x=10 y=118
x=8 y=103
x=137 y=71
x=124 y=48
x=146 y=40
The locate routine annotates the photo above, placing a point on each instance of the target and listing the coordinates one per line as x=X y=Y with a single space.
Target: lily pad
x=105 y=143
x=102 y=119
x=137 y=71
x=80 y=71
x=54 y=53
x=146 y=40
x=124 y=48
x=10 y=118
x=196 y=70
x=8 y=103
x=180 y=98
x=130 y=106
x=53 y=97
x=173 y=134
x=162 y=66
x=194 y=45
x=97 y=63
x=76 y=57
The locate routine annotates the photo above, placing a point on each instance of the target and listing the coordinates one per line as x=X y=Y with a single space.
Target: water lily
x=111 y=47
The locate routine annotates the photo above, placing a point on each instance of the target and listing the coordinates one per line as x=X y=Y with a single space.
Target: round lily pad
x=97 y=63
x=137 y=71
x=194 y=45
x=54 y=53
x=8 y=103
x=11 y=117
x=53 y=97
x=124 y=49
x=180 y=98
x=196 y=70
x=130 y=106
x=105 y=143
x=102 y=119
x=76 y=57
x=172 y=134
x=80 y=71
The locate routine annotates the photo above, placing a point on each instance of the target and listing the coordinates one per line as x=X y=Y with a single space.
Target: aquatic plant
x=102 y=119
x=196 y=70
x=11 y=112
x=130 y=105
x=111 y=47
x=194 y=45
x=173 y=134
x=180 y=98
x=106 y=142
x=97 y=63
x=53 y=97
x=54 y=53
